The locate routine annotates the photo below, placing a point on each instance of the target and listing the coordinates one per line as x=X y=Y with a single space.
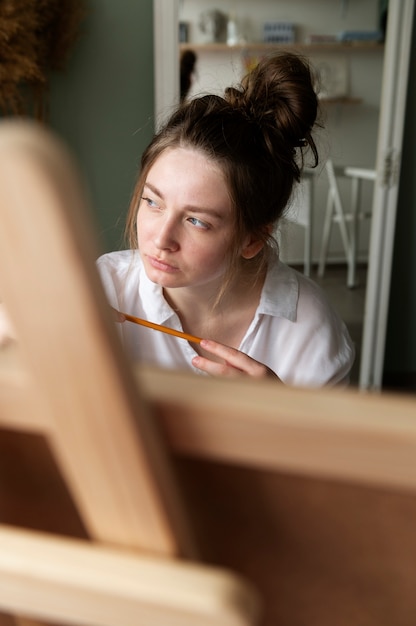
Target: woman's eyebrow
x=195 y=209
x=154 y=189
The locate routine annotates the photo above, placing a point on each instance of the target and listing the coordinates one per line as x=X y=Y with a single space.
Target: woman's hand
x=234 y=363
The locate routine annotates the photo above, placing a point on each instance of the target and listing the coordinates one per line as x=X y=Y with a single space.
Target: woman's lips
x=161 y=265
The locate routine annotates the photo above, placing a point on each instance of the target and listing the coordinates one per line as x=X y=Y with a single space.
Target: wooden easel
x=202 y=492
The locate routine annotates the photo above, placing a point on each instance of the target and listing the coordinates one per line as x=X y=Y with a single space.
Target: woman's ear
x=251 y=247
x=252 y=244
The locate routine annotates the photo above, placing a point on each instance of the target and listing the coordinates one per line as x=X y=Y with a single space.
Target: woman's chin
x=163 y=279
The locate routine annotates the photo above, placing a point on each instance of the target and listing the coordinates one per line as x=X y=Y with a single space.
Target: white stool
x=357 y=175
x=336 y=213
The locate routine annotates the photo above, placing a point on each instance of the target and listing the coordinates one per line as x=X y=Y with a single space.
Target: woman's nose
x=166 y=237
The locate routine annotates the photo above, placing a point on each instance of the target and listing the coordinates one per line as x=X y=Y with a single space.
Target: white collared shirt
x=295 y=331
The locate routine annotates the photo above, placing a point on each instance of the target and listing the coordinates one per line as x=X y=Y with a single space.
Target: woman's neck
x=203 y=315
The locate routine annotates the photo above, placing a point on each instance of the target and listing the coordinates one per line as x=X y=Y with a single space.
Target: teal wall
x=102 y=106
x=400 y=357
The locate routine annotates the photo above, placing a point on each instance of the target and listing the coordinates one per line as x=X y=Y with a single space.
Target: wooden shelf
x=313 y=47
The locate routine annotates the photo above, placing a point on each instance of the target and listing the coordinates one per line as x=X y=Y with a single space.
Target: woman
x=213 y=184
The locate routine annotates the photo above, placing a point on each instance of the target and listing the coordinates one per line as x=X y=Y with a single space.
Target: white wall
x=350 y=132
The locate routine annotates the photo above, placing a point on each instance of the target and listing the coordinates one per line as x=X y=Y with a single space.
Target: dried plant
x=36 y=38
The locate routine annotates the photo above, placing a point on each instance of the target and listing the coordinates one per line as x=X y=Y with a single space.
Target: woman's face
x=185 y=223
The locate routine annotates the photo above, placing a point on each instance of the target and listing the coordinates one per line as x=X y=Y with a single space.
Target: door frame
x=386 y=191
x=166 y=57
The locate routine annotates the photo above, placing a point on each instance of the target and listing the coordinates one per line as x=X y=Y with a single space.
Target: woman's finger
x=235 y=363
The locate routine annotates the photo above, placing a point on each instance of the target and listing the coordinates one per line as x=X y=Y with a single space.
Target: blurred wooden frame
x=76 y=389
x=113 y=427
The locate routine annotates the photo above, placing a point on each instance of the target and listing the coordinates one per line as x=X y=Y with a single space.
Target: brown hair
x=257 y=134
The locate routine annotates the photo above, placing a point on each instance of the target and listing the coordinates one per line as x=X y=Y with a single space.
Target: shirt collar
x=280 y=291
x=279 y=296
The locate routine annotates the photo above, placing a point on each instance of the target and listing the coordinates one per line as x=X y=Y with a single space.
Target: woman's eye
x=151 y=203
x=198 y=223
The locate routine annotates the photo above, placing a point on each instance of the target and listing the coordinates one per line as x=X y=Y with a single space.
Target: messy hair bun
x=278 y=95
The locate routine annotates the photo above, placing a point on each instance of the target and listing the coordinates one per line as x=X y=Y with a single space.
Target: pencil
x=162 y=329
